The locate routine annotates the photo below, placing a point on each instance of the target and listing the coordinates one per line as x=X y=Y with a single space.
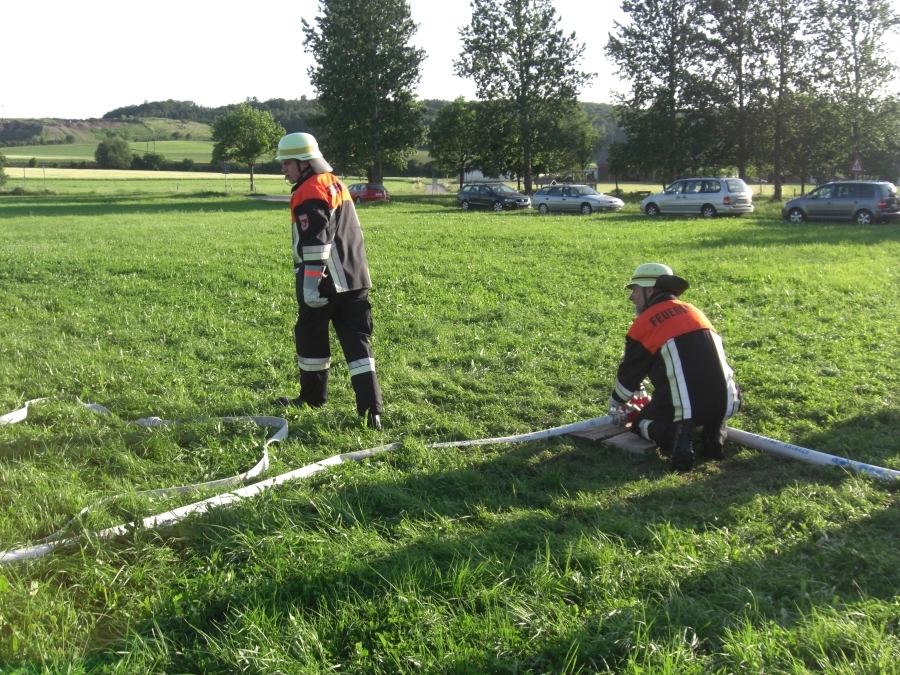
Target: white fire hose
x=783 y=449
x=47 y=544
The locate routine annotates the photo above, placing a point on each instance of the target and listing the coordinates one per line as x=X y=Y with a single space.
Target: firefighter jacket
x=325 y=231
x=675 y=345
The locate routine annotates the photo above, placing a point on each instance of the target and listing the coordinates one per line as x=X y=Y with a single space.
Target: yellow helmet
x=301 y=146
x=657 y=275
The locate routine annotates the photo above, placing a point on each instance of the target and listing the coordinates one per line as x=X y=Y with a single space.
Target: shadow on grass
x=555 y=515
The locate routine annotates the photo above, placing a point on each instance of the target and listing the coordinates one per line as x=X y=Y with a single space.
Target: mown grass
x=553 y=556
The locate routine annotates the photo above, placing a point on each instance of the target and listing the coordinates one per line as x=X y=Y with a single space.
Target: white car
x=707 y=197
x=580 y=198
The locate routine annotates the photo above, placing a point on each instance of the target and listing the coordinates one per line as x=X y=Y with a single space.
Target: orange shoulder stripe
x=660 y=323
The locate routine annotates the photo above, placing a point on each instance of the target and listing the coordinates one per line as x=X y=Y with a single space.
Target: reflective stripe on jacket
x=325 y=230
x=675 y=345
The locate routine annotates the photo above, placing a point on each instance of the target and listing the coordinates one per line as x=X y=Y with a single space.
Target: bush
x=32 y=162
x=187 y=164
x=113 y=153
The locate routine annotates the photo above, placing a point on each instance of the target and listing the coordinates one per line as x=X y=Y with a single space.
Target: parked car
x=576 y=198
x=497 y=196
x=368 y=192
x=705 y=196
x=862 y=201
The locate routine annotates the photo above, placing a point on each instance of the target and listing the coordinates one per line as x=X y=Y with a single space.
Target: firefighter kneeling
x=673 y=344
x=332 y=279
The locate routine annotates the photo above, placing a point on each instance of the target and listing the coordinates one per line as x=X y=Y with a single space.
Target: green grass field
x=553 y=556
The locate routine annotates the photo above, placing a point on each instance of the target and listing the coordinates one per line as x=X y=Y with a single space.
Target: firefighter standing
x=673 y=344
x=332 y=279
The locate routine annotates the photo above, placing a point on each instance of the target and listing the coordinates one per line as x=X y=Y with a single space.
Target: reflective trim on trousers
x=644 y=429
x=320 y=252
x=366 y=365
x=309 y=364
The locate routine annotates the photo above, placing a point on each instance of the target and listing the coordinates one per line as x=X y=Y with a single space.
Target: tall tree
x=784 y=72
x=365 y=75
x=854 y=66
x=516 y=53
x=734 y=28
x=454 y=138
x=244 y=135
x=664 y=54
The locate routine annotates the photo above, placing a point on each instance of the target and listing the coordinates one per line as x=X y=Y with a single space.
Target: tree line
x=782 y=86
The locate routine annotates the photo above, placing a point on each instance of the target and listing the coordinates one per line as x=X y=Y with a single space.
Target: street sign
x=857 y=166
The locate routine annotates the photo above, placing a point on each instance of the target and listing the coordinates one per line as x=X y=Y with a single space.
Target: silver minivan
x=707 y=197
x=862 y=201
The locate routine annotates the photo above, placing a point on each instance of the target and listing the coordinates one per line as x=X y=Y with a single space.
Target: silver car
x=576 y=198
x=862 y=201
x=708 y=197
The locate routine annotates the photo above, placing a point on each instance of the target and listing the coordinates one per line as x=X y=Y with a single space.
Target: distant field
x=199 y=151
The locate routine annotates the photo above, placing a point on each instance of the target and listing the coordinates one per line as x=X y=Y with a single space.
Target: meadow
x=555 y=556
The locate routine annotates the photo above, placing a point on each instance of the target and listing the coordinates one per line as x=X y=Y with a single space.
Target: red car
x=368 y=192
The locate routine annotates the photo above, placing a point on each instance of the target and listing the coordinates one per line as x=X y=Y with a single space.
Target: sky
x=79 y=60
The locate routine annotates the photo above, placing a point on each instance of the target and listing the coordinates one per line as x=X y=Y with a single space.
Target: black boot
x=713 y=438
x=288 y=402
x=682 y=450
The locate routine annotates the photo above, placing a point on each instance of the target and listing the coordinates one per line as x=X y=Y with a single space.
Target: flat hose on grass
x=46 y=545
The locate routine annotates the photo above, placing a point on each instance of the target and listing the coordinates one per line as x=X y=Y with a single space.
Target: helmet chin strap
x=646 y=295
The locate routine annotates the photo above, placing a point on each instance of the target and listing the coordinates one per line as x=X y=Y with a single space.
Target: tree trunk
x=251 y=179
x=527 y=154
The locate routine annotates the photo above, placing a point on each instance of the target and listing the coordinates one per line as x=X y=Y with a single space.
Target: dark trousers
x=351 y=315
x=656 y=423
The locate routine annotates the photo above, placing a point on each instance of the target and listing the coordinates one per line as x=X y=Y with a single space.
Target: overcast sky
x=81 y=59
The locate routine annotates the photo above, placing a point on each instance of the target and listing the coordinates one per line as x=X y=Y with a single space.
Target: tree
x=3 y=176
x=244 y=135
x=783 y=72
x=734 y=26
x=454 y=138
x=517 y=55
x=568 y=143
x=365 y=75
x=813 y=145
x=664 y=53
x=856 y=69
x=113 y=153
x=500 y=150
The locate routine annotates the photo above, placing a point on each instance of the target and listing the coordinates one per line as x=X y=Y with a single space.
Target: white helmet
x=304 y=147
x=657 y=275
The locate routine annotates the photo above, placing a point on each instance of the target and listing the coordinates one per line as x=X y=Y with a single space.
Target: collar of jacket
x=305 y=175
x=661 y=297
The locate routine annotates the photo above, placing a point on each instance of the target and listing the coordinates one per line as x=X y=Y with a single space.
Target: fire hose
x=617 y=418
